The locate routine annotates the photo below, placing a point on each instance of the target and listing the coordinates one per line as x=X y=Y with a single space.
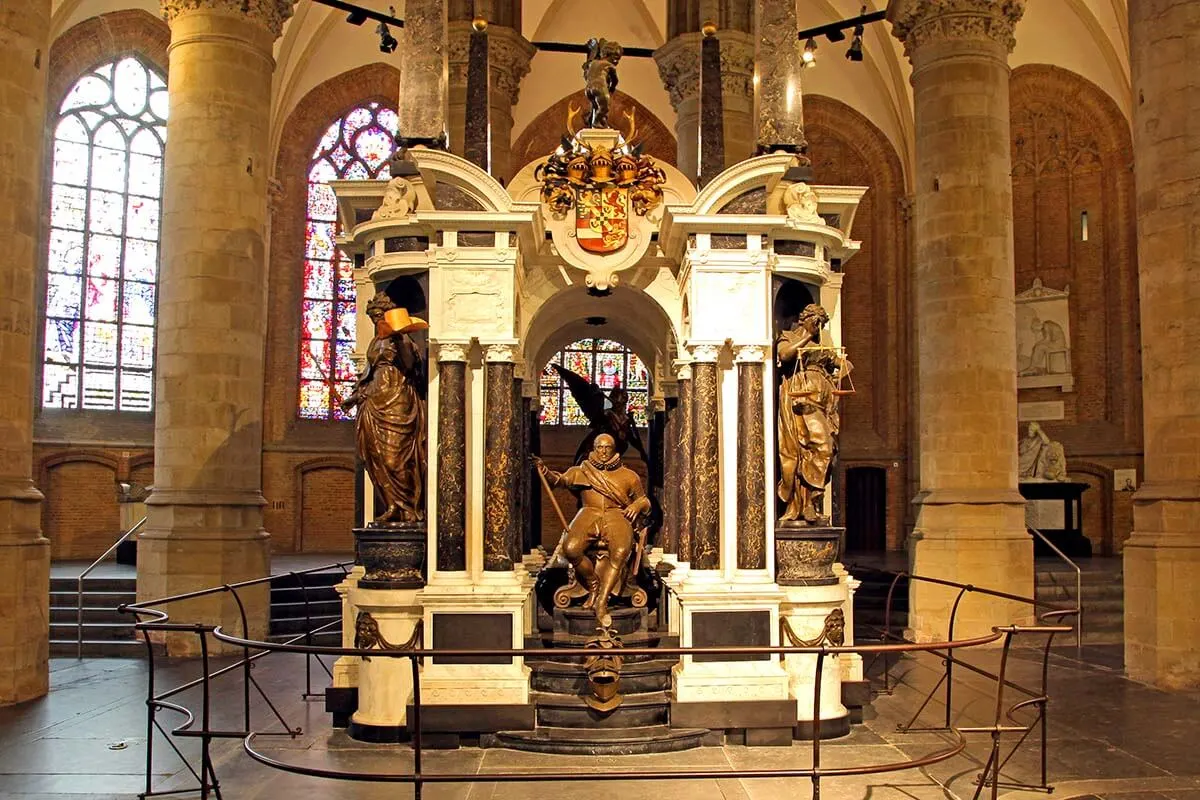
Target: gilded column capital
x=750 y=353
x=271 y=14
x=500 y=352
x=704 y=353
x=450 y=350
x=679 y=67
x=918 y=22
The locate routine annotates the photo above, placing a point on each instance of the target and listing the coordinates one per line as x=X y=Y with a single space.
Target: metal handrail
x=79 y=584
x=1078 y=587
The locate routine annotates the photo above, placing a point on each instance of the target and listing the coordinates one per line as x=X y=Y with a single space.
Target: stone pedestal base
x=673 y=581
x=810 y=612
x=984 y=544
x=173 y=559
x=716 y=613
x=385 y=684
x=25 y=598
x=1162 y=598
x=345 y=668
x=487 y=613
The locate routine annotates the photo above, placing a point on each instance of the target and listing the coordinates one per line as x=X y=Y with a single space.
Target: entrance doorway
x=866 y=509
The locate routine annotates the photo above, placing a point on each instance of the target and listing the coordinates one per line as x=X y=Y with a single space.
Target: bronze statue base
x=393 y=555
x=805 y=554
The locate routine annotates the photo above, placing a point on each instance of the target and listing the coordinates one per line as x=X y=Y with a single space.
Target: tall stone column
x=204 y=518
x=509 y=54
x=422 y=110
x=751 y=460
x=778 y=107
x=452 y=457
x=498 y=456
x=706 y=469
x=669 y=539
x=24 y=553
x=1162 y=556
x=679 y=67
x=970 y=524
x=685 y=447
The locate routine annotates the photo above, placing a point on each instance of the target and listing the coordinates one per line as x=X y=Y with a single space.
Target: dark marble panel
x=794 y=247
x=731 y=629
x=451 y=198
x=729 y=241
x=476 y=239
x=472 y=632
x=405 y=244
x=751 y=479
x=498 y=469
x=452 y=466
x=751 y=202
x=706 y=535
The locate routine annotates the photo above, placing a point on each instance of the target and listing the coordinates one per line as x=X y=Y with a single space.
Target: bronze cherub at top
x=600 y=73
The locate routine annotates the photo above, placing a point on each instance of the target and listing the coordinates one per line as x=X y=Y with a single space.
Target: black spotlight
x=855 y=53
x=387 y=42
x=356 y=17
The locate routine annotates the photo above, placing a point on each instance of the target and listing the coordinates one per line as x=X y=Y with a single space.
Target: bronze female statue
x=808 y=415
x=390 y=397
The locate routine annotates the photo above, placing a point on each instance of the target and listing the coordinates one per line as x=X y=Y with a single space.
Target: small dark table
x=1069 y=538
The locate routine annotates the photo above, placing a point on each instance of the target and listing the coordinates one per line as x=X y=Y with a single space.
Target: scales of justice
x=710 y=528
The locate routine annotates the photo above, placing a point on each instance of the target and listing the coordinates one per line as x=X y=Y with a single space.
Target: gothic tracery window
x=357 y=146
x=605 y=363
x=102 y=271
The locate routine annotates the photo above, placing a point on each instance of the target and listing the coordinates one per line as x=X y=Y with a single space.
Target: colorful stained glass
x=604 y=362
x=143 y=218
x=100 y=288
x=137 y=303
x=100 y=299
x=137 y=346
x=318 y=279
x=318 y=319
x=357 y=146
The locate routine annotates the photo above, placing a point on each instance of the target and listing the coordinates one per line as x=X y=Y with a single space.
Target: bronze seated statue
x=605 y=541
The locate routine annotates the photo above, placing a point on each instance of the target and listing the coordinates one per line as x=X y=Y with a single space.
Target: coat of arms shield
x=602 y=218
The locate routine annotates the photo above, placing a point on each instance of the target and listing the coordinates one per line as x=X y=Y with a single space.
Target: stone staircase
x=109 y=633
x=565 y=724
x=1103 y=595
x=106 y=631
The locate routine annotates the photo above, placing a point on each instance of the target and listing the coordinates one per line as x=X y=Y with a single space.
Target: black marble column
x=670 y=529
x=477 y=131
x=706 y=472
x=685 y=509
x=751 y=469
x=515 y=474
x=498 y=463
x=712 y=114
x=452 y=460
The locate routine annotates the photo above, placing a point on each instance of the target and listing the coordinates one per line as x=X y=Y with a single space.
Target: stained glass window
x=605 y=363
x=101 y=287
x=357 y=146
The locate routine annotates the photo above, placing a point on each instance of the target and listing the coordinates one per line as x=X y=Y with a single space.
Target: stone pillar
x=706 y=470
x=778 y=107
x=497 y=469
x=669 y=540
x=970 y=524
x=452 y=457
x=679 y=67
x=1163 y=554
x=24 y=553
x=685 y=509
x=509 y=54
x=204 y=518
x=751 y=460
x=422 y=109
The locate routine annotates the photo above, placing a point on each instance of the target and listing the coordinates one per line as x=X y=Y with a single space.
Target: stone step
x=570 y=711
x=108 y=614
x=95 y=598
x=104 y=648
x=571 y=679
x=300 y=624
x=598 y=741
x=93 y=584
x=315 y=607
x=92 y=631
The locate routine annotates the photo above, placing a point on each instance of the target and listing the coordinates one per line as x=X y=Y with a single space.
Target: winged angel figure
x=615 y=419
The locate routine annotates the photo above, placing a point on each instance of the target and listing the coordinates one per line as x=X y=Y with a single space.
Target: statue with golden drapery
x=390 y=433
